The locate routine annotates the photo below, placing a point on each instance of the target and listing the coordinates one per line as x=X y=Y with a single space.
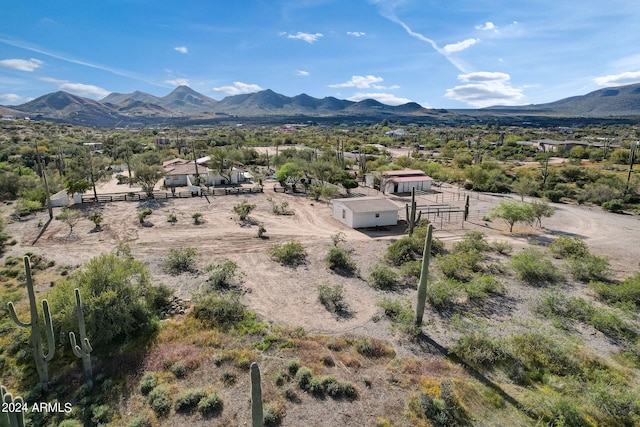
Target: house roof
x=185 y=169
x=404 y=172
x=174 y=162
x=367 y=204
x=411 y=178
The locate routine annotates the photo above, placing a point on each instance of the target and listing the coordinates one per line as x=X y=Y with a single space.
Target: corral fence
x=135 y=197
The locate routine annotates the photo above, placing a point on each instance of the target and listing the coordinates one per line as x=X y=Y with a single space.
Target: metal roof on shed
x=367 y=204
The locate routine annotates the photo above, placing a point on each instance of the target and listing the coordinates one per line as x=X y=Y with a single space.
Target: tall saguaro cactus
x=12 y=414
x=83 y=350
x=257 y=416
x=40 y=358
x=424 y=275
x=412 y=219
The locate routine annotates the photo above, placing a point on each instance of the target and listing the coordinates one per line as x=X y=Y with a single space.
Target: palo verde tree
x=118 y=300
x=147 y=176
x=512 y=212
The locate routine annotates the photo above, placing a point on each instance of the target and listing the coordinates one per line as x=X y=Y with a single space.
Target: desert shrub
x=626 y=294
x=210 y=405
x=434 y=409
x=374 y=348
x=143 y=214
x=160 y=400
x=338 y=237
x=443 y=293
x=261 y=232
x=400 y=251
x=339 y=259
x=279 y=209
x=460 y=265
x=273 y=415
x=187 y=400
x=472 y=241
x=179 y=369
x=502 y=247
x=411 y=270
x=567 y=247
x=223 y=275
x=148 y=382
x=481 y=285
x=100 y=414
x=400 y=312
x=332 y=297
x=615 y=205
x=197 y=218
x=181 y=260
x=533 y=267
x=172 y=218
x=290 y=254
x=223 y=310
x=382 y=277
x=480 y=350
x=588 y=267
x=303 y=378
x=243 y=210
x=292 y=367
x=96 y=217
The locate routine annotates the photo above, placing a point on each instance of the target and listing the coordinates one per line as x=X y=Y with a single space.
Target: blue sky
x=440 y=54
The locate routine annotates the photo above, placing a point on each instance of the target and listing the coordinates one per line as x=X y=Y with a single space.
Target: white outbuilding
x=363 y=212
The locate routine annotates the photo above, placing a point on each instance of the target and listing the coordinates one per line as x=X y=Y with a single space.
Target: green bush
x=272 y=415
x=626 y=294
x=443 y=293
x=401 y=251
x=615 y=205
x=160 y=400
x=243 y=210
x=502 y=247
x=290 y=254
x=303 y=378
x=567 y=247
x=472 y=241
x=148 y=382
x=460 y=265
x=533 y=267
x=588 y=267
x=338 y=259
x=382 y=277
x=181 y=260
x=143 y=214
x=332 y=297
x=188 y=399
x=222 y=275
x=118 y=300
x=400 y=312
x=218 y=309
x=210 y=405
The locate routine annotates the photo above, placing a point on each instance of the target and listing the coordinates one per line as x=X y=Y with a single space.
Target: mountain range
x=184 y=105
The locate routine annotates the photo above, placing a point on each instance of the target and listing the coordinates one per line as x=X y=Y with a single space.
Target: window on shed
x=377 y=215
x=344 y=214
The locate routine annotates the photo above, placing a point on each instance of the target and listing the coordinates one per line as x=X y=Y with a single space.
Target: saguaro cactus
x=12 y=414
x=83 y=351
x=40 y=358
x=257 y=416
x=424 y=274
x=412 y=219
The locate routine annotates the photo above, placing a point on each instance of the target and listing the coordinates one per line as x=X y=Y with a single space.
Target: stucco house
x=181 y=172
x=363 y=212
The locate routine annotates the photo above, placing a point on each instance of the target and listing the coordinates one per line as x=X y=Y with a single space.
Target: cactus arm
x=257 y=416
x=51 y=345
x=14 y=316
x=424 y=274
x=84 y=349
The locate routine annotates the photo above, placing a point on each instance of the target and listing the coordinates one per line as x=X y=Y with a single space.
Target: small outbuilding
x=403 y=181
x=363 y=212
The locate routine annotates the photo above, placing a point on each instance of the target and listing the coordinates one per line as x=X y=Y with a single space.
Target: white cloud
x=9 y=98
x=484 y=89
x=21 y=64
x=487 y=26
x=625 y=78
x=307 y=37
x=457 y=47
x=238 y=88
x=385 y=98
x=181 y=49
x=361 y=82
x=178 y=82
x=303 y=73
x=356 y=33
x=80 y=89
